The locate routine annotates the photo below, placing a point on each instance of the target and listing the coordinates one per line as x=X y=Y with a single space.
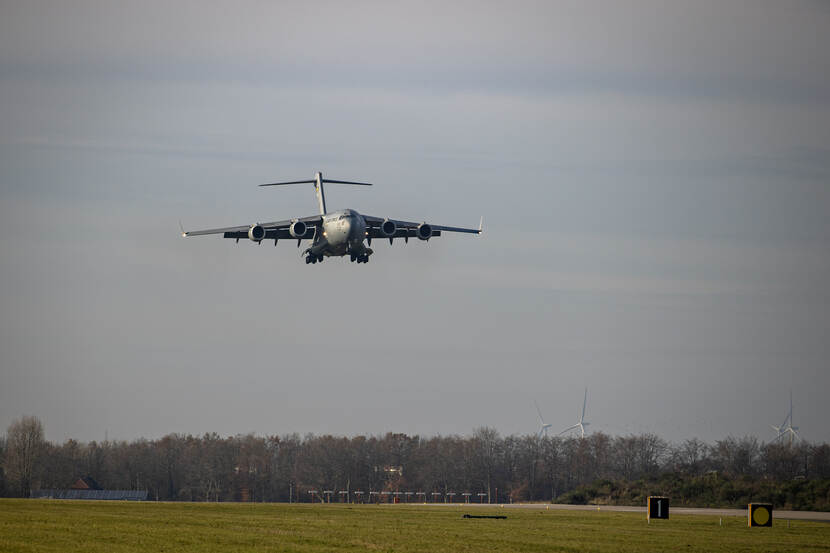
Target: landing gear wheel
x=319 y=258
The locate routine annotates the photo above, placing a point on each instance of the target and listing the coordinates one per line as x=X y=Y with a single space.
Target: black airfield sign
x=658 y=507
x=760 y=514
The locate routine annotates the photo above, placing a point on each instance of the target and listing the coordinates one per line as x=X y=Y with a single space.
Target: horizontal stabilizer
x=347 y=182
x=314 y=182
x=291 y=182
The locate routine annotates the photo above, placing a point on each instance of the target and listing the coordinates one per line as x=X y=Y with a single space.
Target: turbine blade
x=568 y=429
x=584 y=403
x=791 y=407
x=539 y=412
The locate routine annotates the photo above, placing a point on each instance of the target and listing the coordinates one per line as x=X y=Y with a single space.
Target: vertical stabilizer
x=321 y=194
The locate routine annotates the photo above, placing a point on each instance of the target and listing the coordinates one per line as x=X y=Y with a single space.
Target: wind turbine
x=790 y=429
x=787 y=429
x=581 y=424
x=543 y=426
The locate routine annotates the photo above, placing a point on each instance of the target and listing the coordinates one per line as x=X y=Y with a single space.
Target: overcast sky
x=654 y=177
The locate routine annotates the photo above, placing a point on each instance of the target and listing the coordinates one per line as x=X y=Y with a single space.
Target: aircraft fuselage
x=343 y=233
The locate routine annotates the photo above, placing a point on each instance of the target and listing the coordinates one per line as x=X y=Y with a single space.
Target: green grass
x=34 y=525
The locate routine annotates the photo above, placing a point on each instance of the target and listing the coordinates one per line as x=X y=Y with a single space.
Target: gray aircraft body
x=339 y=233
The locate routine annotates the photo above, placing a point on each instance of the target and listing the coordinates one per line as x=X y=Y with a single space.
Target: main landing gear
x=311 y=258
x=361 y=258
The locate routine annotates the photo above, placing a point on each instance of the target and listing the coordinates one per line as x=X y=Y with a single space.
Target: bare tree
x=625 y=455
x=736 y=456
x=650 y=451
x=24 y=444
x=692 y=454
x=487 y=442
x=820 y=461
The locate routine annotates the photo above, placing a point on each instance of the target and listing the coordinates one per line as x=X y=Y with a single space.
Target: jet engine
x=424 y=231
x=256 y=233
x=388 y=228
x=297 y=229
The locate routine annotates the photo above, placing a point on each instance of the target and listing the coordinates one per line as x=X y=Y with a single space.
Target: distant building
x=85 y=483
x=88 y=488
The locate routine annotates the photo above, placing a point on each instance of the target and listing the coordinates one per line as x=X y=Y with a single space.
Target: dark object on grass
x=484 y=516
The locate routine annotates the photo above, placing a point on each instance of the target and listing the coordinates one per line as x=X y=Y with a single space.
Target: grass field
x=33 y=525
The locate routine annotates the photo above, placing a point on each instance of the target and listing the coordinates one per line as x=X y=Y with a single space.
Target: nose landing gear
x=360 y=258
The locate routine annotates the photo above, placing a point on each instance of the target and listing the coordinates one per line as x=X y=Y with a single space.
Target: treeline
x=709 y=490
x=599 y=468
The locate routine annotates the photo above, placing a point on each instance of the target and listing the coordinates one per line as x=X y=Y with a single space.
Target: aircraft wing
x=276 y=229
x=409 y=228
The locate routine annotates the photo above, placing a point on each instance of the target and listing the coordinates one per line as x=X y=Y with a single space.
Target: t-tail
x=318 y=187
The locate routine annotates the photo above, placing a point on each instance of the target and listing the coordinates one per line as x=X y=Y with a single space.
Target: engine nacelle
x=297 y=229
x=424 y=231
x=256 y=233
x=388 y=228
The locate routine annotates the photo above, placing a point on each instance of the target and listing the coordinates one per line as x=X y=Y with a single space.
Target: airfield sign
x=759 y=514
x=658 y=507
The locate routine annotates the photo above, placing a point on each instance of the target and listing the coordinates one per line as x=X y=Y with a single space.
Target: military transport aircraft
x=337 y=233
